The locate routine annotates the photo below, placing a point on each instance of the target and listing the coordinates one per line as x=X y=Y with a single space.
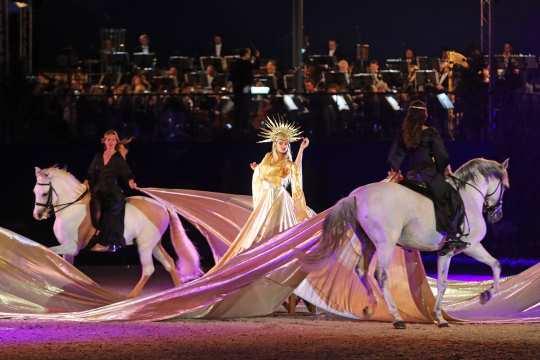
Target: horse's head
x=490 y=179
x=55 y=190
x=44 y=193
x=498 y=182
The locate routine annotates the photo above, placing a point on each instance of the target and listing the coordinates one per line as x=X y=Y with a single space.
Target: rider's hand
x=132 y=184
x=253 y=165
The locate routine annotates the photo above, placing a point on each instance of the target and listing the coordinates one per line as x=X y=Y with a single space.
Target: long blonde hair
x=120 y=143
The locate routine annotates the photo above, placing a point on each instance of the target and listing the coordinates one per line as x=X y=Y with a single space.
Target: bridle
x=493 y=212
x=48 y=205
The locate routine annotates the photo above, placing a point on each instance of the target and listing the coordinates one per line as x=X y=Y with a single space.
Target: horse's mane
x=473 y=169
x=56 y=170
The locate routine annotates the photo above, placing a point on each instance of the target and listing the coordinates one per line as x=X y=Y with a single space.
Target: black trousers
x=449 y=208
x=107 y=210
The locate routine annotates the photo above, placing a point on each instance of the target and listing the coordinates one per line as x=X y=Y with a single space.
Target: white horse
x=59 y=192
x=386 y=214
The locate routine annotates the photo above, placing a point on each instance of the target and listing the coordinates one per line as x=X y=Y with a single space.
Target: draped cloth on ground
x=37 y=284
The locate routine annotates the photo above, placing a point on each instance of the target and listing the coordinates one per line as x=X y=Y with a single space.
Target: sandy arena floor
x=278 y=337
x=302 y=336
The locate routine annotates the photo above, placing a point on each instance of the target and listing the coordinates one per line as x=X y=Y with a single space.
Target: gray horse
x=386 y=214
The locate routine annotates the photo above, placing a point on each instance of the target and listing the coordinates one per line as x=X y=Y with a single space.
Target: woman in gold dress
x=274 y=209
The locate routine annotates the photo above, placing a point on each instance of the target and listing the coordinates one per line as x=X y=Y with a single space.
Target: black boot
x=452 y=244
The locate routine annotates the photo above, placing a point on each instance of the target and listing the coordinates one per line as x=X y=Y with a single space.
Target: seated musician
x=378 y=84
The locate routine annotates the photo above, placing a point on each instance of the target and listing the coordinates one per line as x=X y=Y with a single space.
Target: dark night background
x=186 y=27
x=332 y=168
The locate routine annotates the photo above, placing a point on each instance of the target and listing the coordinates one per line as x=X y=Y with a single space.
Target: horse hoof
x=399 y=325
x=485 y=297
x=443 y=325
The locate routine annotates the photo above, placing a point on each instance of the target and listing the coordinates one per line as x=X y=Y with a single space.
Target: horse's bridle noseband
x=493 y=212
x=48 y=205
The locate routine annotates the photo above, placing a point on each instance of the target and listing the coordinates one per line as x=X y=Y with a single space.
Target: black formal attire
x=426 y=166
x=107 y=204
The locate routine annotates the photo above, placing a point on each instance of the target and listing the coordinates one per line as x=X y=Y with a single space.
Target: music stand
x=396 y=64
x=322 y=60
x=229 y=60
x=266 y=80
x=361 y=82
x=181 y=63
x=195 y=78
x=215 y=61
x=220 y=81
x=392 y=77
x=427 y=63
x=519 y=61
x=164 y=83
x=335 y=77
x=144 y=60
x=119 y=61
x=531 y=62
x=362 y=52
x=425 y=78
x=498 y=61
x=289 y=83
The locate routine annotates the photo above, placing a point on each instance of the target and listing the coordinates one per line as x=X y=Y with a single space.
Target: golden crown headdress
x=279 y=128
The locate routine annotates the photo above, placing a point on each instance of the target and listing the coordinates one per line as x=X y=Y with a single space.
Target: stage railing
x=60 y=116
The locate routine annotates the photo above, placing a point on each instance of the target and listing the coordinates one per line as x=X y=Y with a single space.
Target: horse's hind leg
x=384 y=258
x=168 y=263
x=362 y=268
x=145 y=243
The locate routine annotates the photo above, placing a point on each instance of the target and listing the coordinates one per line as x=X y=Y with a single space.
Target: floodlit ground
x=303 y=336
x=278 y=337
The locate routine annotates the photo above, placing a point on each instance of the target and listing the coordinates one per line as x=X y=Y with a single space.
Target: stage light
x=21 y=4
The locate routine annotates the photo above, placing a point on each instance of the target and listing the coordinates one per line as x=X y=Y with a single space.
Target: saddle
x=418 y=187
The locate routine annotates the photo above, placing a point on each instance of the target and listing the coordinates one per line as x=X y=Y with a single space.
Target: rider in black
x=107 y=205
x=428 y=162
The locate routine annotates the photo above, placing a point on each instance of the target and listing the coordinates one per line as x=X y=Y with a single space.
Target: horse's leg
x=68 y=239
x=478 y=252
x=146 y=242
x=384 y=258
x=443 y=264
x=168 y=263
x=361 y=269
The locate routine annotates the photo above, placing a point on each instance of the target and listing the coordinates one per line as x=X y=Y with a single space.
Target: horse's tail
x=335 y=227
x=188 y=264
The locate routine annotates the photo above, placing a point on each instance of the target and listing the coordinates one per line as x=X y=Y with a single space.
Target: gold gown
x=274 y=211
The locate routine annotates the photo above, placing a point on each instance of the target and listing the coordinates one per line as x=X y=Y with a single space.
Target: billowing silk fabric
x=35 y=283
